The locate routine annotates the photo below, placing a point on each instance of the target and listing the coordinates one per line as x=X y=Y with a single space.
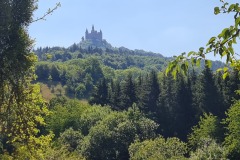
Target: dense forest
x=115 y=103
x=75 y=71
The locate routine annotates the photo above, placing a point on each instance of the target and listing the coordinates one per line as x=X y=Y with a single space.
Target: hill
x=78 y=68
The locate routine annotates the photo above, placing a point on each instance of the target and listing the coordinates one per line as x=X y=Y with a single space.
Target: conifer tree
x=115 y=95
x=166 y=105
x=209 y=99
x=149 y=93
x=100 y=95
x=128 y=93
x=183 y=112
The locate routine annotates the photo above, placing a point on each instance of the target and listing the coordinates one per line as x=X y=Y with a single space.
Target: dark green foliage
x=167 y=104
x=71 y=139
x=111 y=138
x=175 y=104
x=57 y=101
x=148 y=93
x=128 y=93
x=100 y=94
x=115 y=94
x=184 y=113
x=207 y=96
x=231 y=84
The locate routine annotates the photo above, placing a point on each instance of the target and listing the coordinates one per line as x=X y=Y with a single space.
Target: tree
x=158 y=149
x=148 y=94
x=128 y=93
x=232 y=84
x=219 y=45
x=111 y=137
x=222 y=45
x=208 y=127
x=232 y=139
x=115 y=94
x=21 y=105
x=208 y=99
x=166 y=105
x=55 y=72
x=71 y=139
x=100 y=95
x=64 y=116
x=209 y=149
x=184 y=112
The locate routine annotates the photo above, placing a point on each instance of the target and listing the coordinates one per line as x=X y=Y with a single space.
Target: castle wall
x=94 y=35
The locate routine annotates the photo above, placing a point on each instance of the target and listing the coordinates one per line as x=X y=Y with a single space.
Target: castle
x=93 y=35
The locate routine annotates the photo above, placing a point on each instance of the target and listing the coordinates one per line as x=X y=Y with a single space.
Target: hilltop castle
x=93 y=35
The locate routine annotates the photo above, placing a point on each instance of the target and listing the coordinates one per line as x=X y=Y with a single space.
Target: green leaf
x=225 y=75
x=231 y=50
x=234 y=40
x=211 y=40
x=216 y=10
x=224 y=41
x=219 y=70
x=236 y=7
x=191 y=53
x=174 y=74
x=198 y=62
x=224 y=53
x=208 y=63
x=208 y=50
x=223 y=33
x=237 y=22
x=232 y=6
x=193 y=61
x=225 y=69
x=201 y=49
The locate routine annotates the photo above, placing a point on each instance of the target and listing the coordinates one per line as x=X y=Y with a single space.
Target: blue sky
x=167 y=27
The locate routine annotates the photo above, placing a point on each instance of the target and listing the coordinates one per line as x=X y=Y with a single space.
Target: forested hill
x=116 y=58
x=76 y=70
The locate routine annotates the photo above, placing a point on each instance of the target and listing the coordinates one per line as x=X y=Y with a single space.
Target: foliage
x=208 y=149
x=175 y=104
x=232 y=140
x=92 y=116
x=208 y=127
x=21 y=105
x=71 y=139
x=65 y=116
x=158 y=149
x=61 y=153
x=111 y=137
x=220 y=45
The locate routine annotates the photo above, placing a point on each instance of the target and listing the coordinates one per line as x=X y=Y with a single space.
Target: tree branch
x=50 y=11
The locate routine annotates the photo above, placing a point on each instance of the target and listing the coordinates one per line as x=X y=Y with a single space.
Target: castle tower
x=86 y=34
x=93 y=35
x=100 y=34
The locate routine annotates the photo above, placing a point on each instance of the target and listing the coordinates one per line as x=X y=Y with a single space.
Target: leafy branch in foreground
x=50 y=11
x=219 y=45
